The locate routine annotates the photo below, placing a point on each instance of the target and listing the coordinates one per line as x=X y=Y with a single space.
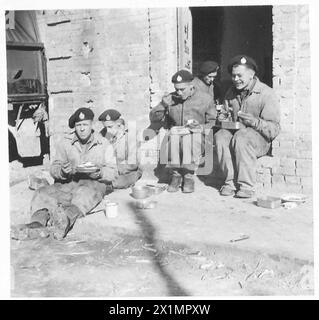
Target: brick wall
x=109 y=58
x=291 y=167
x=124 y=59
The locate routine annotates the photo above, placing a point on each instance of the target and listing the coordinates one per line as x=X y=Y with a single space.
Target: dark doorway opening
x=219 y=33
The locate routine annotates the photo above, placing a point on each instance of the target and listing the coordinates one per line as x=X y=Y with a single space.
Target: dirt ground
x=182 y=247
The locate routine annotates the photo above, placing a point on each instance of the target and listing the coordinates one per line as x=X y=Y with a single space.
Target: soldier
x=255 y=105
x=74 y=194
x=186 y=105
x=206 y=80
x=125 y=152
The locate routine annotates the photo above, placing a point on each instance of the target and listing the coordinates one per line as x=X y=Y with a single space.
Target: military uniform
x=128 y=173
x=202 y=86
x=182 y=153
x=74 y=195
x=238 y=151
x=213 y=89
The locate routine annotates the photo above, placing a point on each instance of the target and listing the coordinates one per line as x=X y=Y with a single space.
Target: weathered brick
x=294 y=188
x=288 y=163
x=267 y=186
x=306 y=181
x=284 y=170
x=307 y=190
x=277 y=179
x=304 y=172
x=303 y=163
x=279 y=188
x=268 y=162
x=292 y=180
x=264 y=178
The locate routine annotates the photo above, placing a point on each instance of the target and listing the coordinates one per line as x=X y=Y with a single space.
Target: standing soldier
x=194 y=110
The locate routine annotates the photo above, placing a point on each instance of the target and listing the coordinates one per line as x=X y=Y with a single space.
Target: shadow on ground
x=149 y=235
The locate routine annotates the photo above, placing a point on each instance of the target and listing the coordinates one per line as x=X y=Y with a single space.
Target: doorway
x=219 y=33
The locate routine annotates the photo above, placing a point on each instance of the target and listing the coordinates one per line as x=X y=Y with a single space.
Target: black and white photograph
x=159 y=150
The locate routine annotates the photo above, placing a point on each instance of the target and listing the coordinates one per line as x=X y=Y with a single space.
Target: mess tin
x=145 y=204
x=179 y=130
x=269 y=202
x=141 y=192
x=88 y=167
x=230 y=125
x=156 y=189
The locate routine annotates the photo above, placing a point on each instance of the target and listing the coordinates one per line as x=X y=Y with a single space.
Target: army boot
x=63 y=219
x=175 y=182
x=189 y=183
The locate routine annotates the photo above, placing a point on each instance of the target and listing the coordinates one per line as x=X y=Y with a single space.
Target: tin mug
x=111 y=209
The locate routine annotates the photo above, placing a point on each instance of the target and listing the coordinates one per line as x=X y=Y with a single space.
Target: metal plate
x=293 y=197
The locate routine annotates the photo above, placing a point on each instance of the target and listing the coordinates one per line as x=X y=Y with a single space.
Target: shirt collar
x=94 y=139
x=254 y=86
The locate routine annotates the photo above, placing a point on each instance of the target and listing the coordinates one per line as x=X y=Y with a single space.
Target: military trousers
x=237 y=154
x=83 y=195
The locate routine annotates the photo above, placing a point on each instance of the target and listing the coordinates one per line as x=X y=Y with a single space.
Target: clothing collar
x=255 y=87
x=94 y=139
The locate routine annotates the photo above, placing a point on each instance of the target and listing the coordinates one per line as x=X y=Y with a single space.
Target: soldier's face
x=242 y=76
x=83 y=129
x=209 y=79
x=184 y=90
x=113 y=128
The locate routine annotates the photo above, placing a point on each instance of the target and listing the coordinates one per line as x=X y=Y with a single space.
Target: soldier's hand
x=96 y=175
x=166 y=100
x=248 y=119
x=66 y=169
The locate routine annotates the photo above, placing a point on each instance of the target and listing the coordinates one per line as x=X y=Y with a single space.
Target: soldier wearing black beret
x=256 y=106
x=80 y=114
x=109 y=115
x=83 y=168
x=186 y=105
x=125 y=152
x=206 y=80
x=244 y=61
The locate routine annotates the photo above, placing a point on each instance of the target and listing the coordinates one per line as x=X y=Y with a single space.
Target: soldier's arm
x=109 y=171
x=59 y=159
x=157 y=114
x=211 y=114
x=268 y=124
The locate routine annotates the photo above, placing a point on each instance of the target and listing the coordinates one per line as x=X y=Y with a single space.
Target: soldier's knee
x=240 y=140
x=222 y=138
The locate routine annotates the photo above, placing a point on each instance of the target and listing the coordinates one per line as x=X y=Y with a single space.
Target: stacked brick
x=290 y=168
x=109 y=58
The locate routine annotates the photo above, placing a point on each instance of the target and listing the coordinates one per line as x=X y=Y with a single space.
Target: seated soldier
x=74 y=194
x=206 y=80
x=125 y=153
x=256 y=106
x=181 y=154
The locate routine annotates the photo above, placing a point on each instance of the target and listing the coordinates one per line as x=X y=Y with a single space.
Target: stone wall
x=291 y=167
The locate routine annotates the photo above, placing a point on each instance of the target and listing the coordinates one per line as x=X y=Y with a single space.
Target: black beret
x=208 y=66
x=242 y=60
x=109 y=115
x=80 y=115
x=182 y=76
